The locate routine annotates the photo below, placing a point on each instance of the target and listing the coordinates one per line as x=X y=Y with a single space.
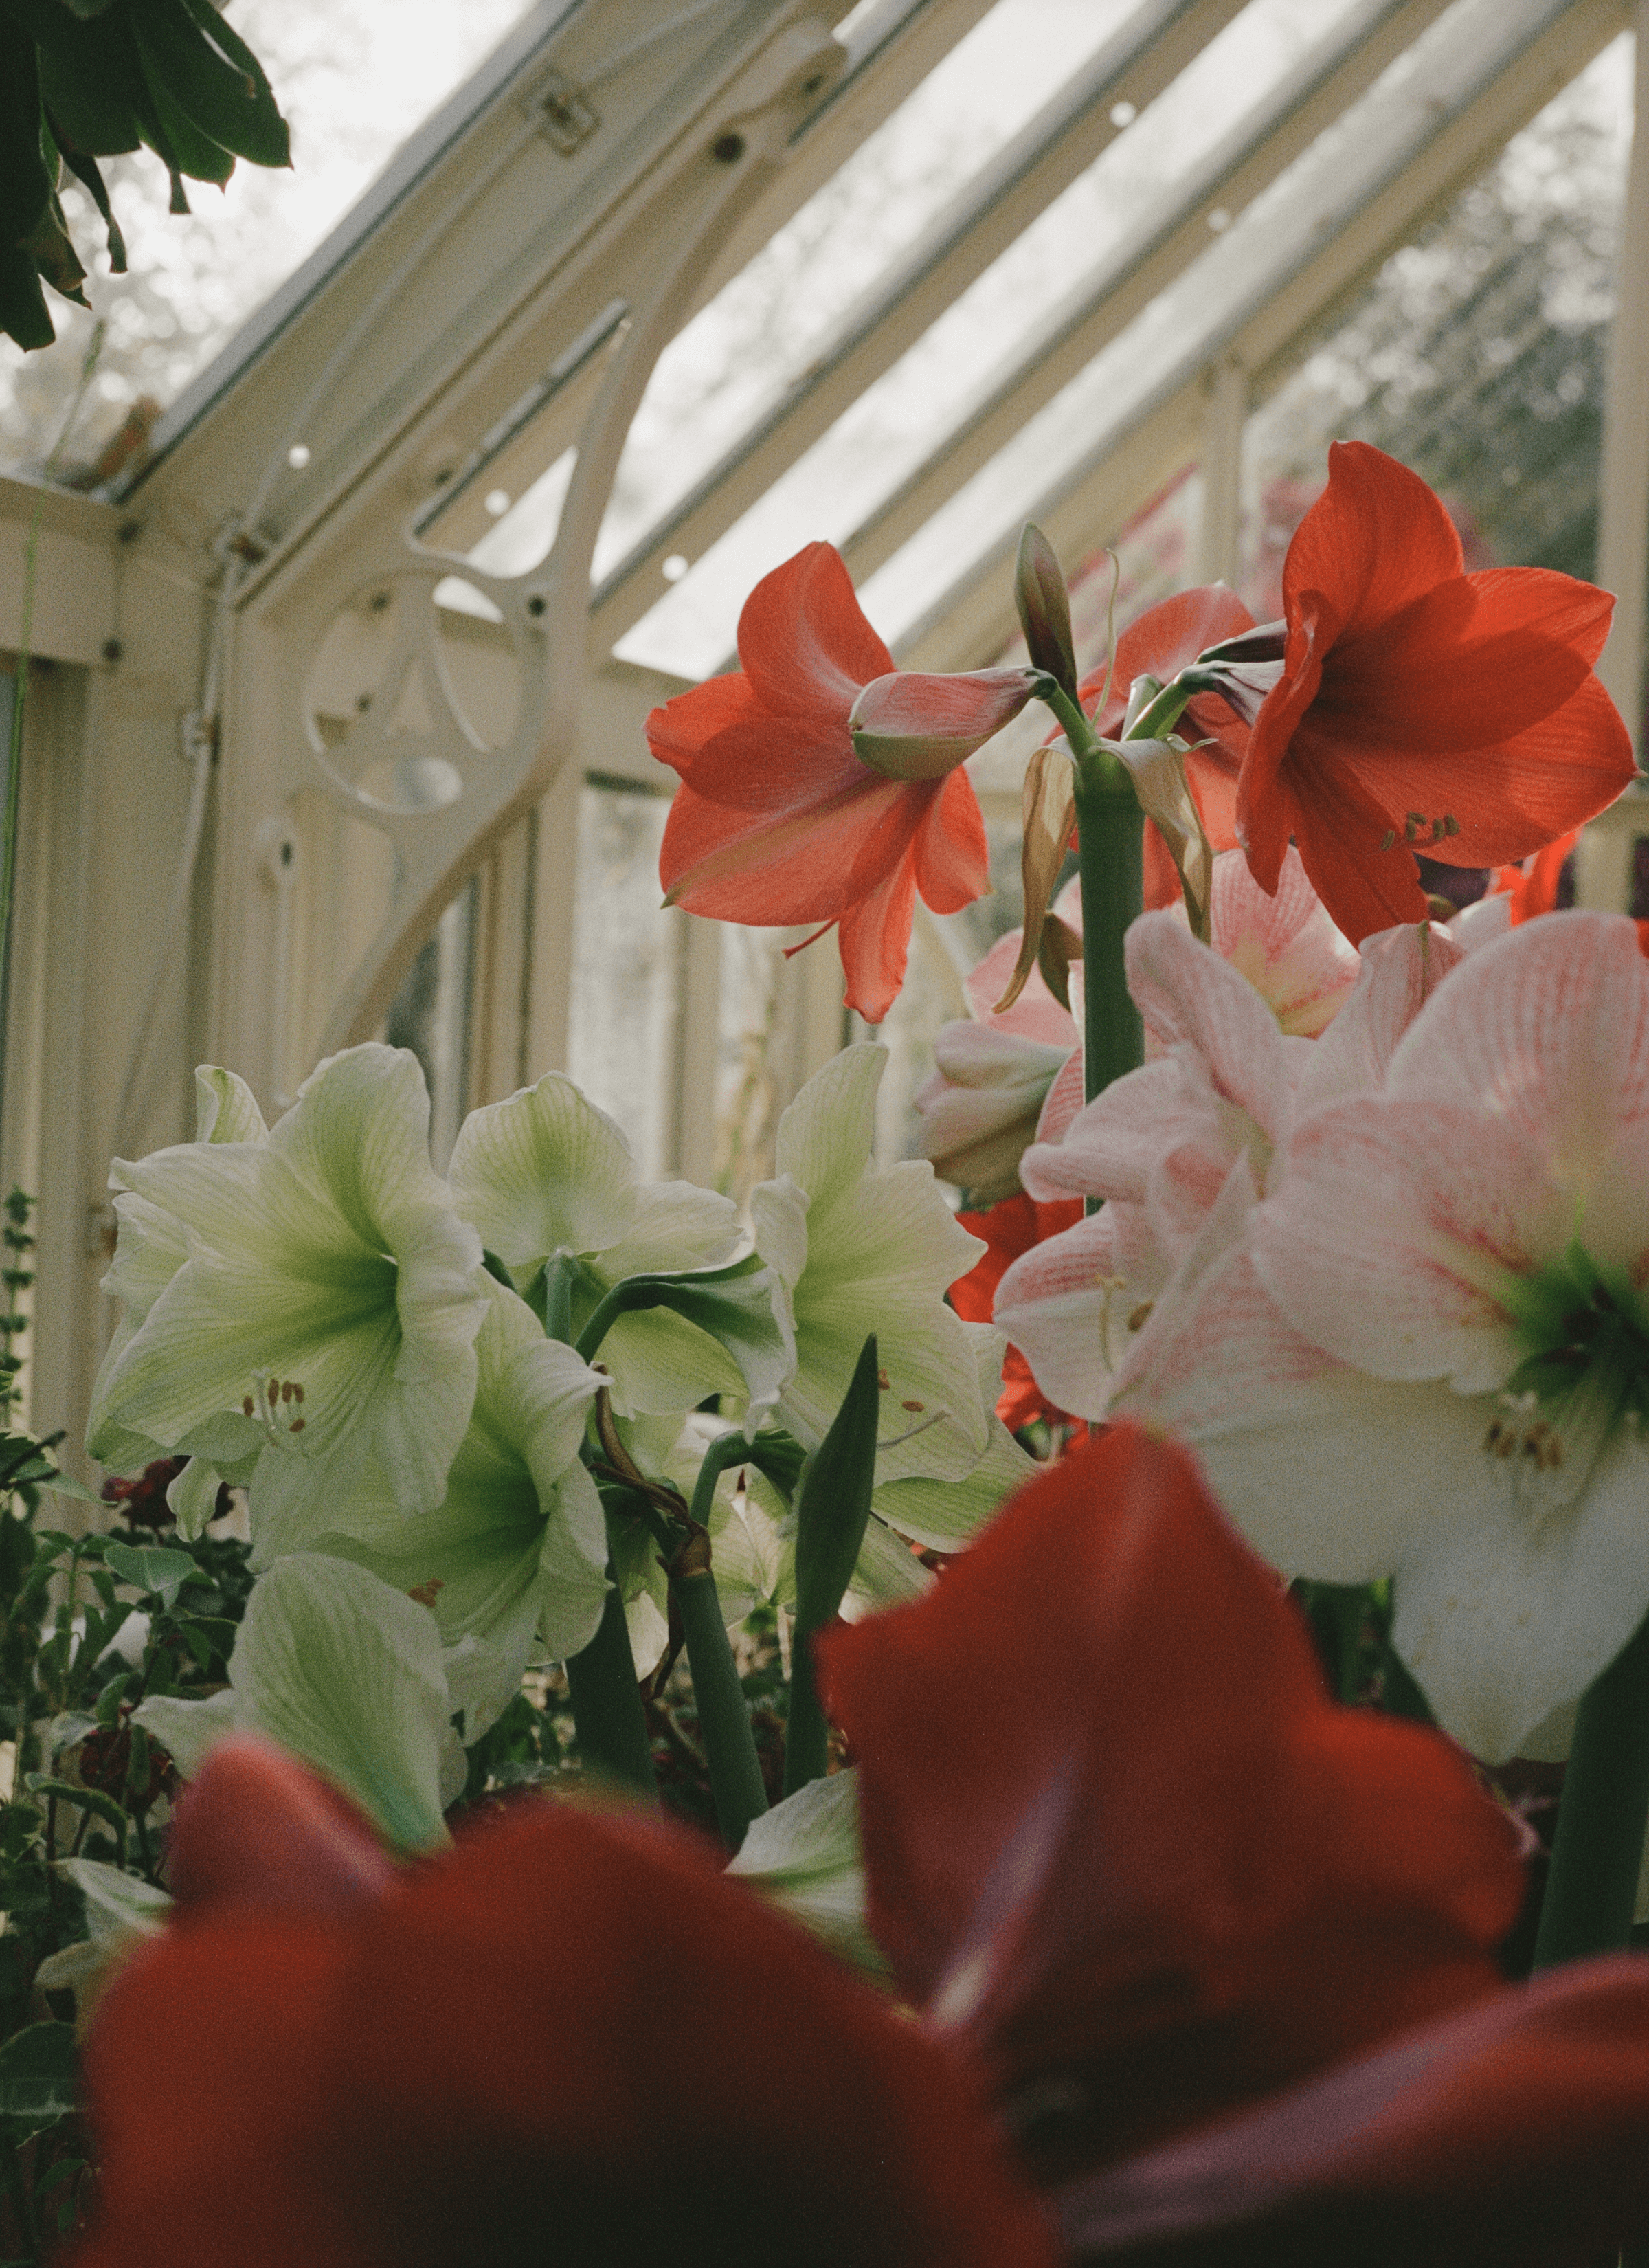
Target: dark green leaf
x=23 y=310
x=833 y=1507
x=26 y=183
x=38 y=2073
x=157 y=1573
x=86 y=173
x=186 y=146
x=87 y=74
x=89 y=1798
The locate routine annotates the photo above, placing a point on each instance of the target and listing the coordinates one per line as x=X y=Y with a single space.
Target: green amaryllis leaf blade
x=186 y=145
x=25 y=182
x=832 y=1513
x=89 y=1798
x=39 y=2079
x=85 y=171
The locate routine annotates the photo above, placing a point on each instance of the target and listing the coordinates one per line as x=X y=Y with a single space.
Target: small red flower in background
x=1419 y=706
x=1225 y=1948
x=570 y=2039
x=1010 y=1228
x=782 y=818
x=1159 y=643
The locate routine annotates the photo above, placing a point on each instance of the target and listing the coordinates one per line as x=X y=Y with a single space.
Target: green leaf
x=85 y=171
x=39 y=2078
x=88 y=73
x=199 y=91
x=89 y=1798
x=156 y=1573
x=24 y=314
x=832 y=1513
x=833 y=1507
x=223 y=36
x=25 y=184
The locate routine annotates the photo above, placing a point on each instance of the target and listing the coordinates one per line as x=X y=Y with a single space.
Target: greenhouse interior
x=826 y=1329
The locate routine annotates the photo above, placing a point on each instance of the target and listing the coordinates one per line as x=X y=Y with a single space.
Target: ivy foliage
x=84 y=79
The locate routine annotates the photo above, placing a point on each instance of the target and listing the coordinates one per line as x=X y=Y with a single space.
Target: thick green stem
x=724 y=1718
x=1110 y=833
x=634 y=1292
x=1592 y=1888
x=606 y=1701
x=806 y=1733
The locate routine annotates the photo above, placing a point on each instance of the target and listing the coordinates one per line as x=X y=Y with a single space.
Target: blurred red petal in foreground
x=1164 y=1881
x=570 y=2038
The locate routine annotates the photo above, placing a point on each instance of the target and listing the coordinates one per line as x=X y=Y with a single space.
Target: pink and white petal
x=1503 y=1618
x=983 y=1054
x=1187 y=994
x=1399 y=1231
x=1401 y=969
x=1548 y=1029
x=1328 y=1473
x=1481 y=922
x=1615 y=1227
x=1066 y=1307
x=1064 y=1099
x=1111 y=1146
x=1286 y=946
x=1034 y=1015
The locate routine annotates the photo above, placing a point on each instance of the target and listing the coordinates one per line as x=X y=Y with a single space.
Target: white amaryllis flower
x=349 y=1675
x=1427 y=1355
x=549 y=1182
x=862 y=1249
x=514 y=1558
x=326 y=1296
x=994 y=1070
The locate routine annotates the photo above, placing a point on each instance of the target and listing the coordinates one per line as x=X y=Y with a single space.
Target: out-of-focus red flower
x=1418 y=706
x=1533 y=884
x=1012 y=1227
x=1160 y=643
x=569 y=2039
x=818 y=784
x=1225 y=1947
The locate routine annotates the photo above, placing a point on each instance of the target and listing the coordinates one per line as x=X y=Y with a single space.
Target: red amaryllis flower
x=569 y=2039
x=1417 y=706
x=1014 y=1227
x=818 y=785
x=1225 y=1948
x=1160 y=643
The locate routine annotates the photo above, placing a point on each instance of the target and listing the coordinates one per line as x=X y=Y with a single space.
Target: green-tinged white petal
x=348 y=1673
x=193 y=1497
x=946 y=1515
x=328 y=1259
x=122 y=1912
x=804 y=1855
x=225 y=1108
x=745 y=1311
x=481 y=1681
x=188 y=1730
x=517 y=1544
x=661 y=1363
x=545 y=1172
x=881 y=1250
x=677 y=1226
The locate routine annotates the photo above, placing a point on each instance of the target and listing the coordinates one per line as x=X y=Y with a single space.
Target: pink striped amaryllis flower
x=820 y=784
x=993 y=1070
x=1423 y=1354
x=1228 y=1028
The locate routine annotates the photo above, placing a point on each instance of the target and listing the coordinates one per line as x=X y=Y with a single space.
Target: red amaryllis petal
x=569 y=2038
x=805 y=647
x=1011 y=1228
x=679 y=732
x=778 y=819
x=1220 y=1880
x=793 y=865
x=254 y=1828
x=1511 y=2135
x=1456 y=712
x=952 y=855
x=1160 y=641
x=875 y=943
x=1376 y=539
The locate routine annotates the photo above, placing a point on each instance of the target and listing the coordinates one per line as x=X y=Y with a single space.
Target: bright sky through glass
x=354 y=77
x=887 y=433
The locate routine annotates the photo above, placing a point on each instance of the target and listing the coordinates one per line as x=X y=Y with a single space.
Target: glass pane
x=761 y=331
x=838 y=485
x=1477 y=356
x=430 y=1015
x=353 y=87
x=626 y=970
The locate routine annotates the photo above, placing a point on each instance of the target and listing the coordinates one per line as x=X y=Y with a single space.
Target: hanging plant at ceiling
x=84 y=79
